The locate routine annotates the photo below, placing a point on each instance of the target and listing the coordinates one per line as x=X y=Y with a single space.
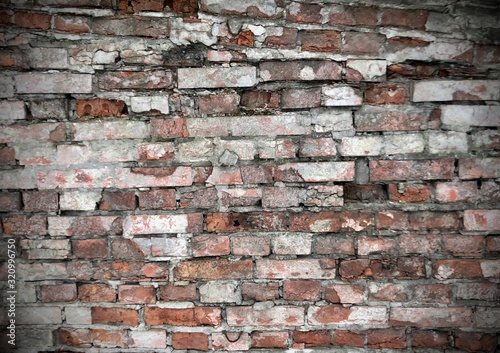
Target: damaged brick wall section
x=259 y=175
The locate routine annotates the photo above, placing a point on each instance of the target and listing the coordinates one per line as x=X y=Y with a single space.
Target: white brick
x=362 y=146
x=366 y=70
x=341 y=96
x=462 y=117
x=78 y=315
x=79 y=200
x=237 y=76
x=48 y=58
x=146 y=104
x=298 y=244
x=155 y=224
x=447 y=90
x=448 y=142
x=12 y=110
x=38 y=315
x=46 y=249
x=404 y=143
x=220 y=292
x=327 y=120
x=53 y=83
x=7 y=85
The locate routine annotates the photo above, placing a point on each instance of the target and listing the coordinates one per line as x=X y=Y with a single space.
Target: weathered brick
x=53 y=83
x=273 y=316
x=306 y=339
x=431 y=317
x=445 y=269
x=253 y=221
x=385 y=94
x=433 y=293
x=24 y=225
x=404 y=267
x=117 y=201
x=269 y=339
x=95 y=293
x=214 y=270
x=32 y=20
x=304 y=13
x=349 y=338
x=97 y=107
x=142 y=80
x=274 y=197
x=252 y=8
x=109 y=130
x=477 y=291
x=483 y=220
x=153 y=177
x=170 y=292
x=306 y=70
x=8 y=87
x=339 y=315
x=219 y=104
x=478 y=168
x=302 y=290
x=463 y=117
x=153 y=338
x=58 y=293
x=295 y=269
x=388 y=292
x=251 y=245
x=430 y=339
x=386 y=338
x=90 y=225
x=46 y=249
x=48 y=109
x=72 y=24
x=260 y=291
x=315 y=172
x=283 y=37
x=225 y=176
x=130 y=270
x=443 y=90
x=344 y=293
x=372 y=245
x=413 y=19
x=364 y=43
x=337 y=244
x=136 y=294
x=339 y=96
x=391 y=118
x=190 y=340
x=197 y=316
x=352 y=15
x=330 y=221
x=10 y=201
x=114 y=316
x=255 y=99
x=301 y=98
x=154 y=104
x=366 y=70
x=48 y=132
x=160 y=224
x=12 y=110
x=240 y=76
x=320 y=40
x=219 y=292
x=385 y=170
x=73 y=337
x=210 y=246
x=40 y=201
x=409 y=192
x=487 y=317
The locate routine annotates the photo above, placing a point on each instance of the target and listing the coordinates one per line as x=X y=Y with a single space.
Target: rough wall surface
x=259 y=175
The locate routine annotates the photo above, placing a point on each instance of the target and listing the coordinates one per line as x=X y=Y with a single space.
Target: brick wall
x=256 y=175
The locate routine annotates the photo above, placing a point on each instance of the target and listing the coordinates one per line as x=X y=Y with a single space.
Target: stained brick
x=455 y=90
x=198 y=316
x=299 y=70
x=320 y=40
x=238 y=76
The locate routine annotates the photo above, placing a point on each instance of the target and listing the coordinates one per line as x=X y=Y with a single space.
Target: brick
x=219 y=292
x=251 y=246
x=72 y=24
x=202 y=198
x=337 y=244
x=431 y=317
x=10 y=201
x=477 y=291
x=391 y=118
x=130 y=270
x=413 y=19
x=348 y=338
x=448 y=142
x=91 y=225
x=443 y=90
x=305 y=70
x=240 y=76
x=32 y=20
x=214 y=270
x=388 y=292
x=151 y=27
x=362 y=146
x=430 y=339
x=470 y=245
x=109 y=338
x=72 y=337
x=304 y=13
x=255 y=99
x=320 y=40
x=253 y=221
x=224 y=176
x=260 y=291
x=478 y=168
x=364 y=193
x=142 y=80
x=485 y=140
x=301 y=98
x=156 y=151
x=190 y=340
x=147 y=5
x=324 y=195
x=114 y=316
x=109 y=130
x=47 y=315
x=24 y=225
x=306 y=339
x=276 y=197
x=89 y=248
x=284 y=38
x=295 y=269
x=341 y=96
x=400 y=268
x=161 y=224
x=373 y=245
x=464 y=191
x=49 y=132
x=487 y=317
x=483 y=220
x=53 y=83
x=8 y=87
x=409 y=193
x=154 y=104
x=433 y=293
x=385 y=170
x=77 y=178
x=270 y=125
x=12 y=110
x=48 y=58
x=153 y=338
x=210 y=246
x=463 y=117
x=339 y=315
x=352 y=15
x=135 y=248
x=330 y=221
x=197 y=150
x=136 y=294
x=241 y=197
x=492 y=244
x=290 y=243
x=445 y=269
x=475 y=341
x=40 y=201
x=330 y=120
x=340 y=293
x=153 y=177
x=363 y=43
x=366 y=70
x=252 y=8
x=386 y=338
x=197 y=316
x=269 y=339
x=45 y=249
x=95 y=293
x=219 y=104
x=315 y=172
x=117 y=201
x=273 y=316
x=97 y=107
x=58 y=293
x=302 y=290
x=225 y=56
x=170 y=292
x=169 y=247
x=48 y=109
x=386 y=94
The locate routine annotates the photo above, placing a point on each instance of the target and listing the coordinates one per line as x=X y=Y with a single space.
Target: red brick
x=72 y=24
x=109 y=338
x=388 y=292
x=225 y=176
x=374 y=245
x=217 y=77
x=10 y=201
x=445 y=269
x=219 y=104
x=384 y=170
x=287 y=40
x=95 y=293
x=58 y=293
x=301 y=98
x=254 y=221
x=304 y=70
x=25 y=225
x=344 y=293
x=426 y=220
x=202 y=198
x=391 y=118
x=409 y=192
x=400 y=268
x=279 y=197
x=485 y=220
x=490 y=191
x=306 y=339
x=130 y=270
x=260 y=291
x=72 y=337
x=40 y=201
x=295 y=268
x=348 y=338
x=170 y=292
x=274 y=316
x=135 y=294
x=225 y=56
x=492 y=244
x=241 y=197
x=304 y=13
x=152 y=338
x=430 y=339
x=320 y=40
x=479 y=168
x=91 y=225
x=260 y=99
x=214 y=270
x=477 y=291
x=32 y=20
x=413 y=19
x=75 y=3
x=419 y=244
x=258 y=9
x=315 y=172
x=386 y=338
x=364 y=193
x=197 y=316
x=190 y=340
x=169 y=128
x=210 y=245
x=129 y=248
x=97 y=107
x=353 y=16
x=147 y=5
x=13 y=59
x=115 y=316
x=269 y=339
x=302 y=290
x=163 y=199
x=386 y=94
x=363 y=43
x=433 y=293
x=141 y=80
x=465 y=191
x=257 y=174
x=475 y=341
x=330 y=221
x=7 y=156
x=463 y=245
x=317 y=147
x=431 y=317
x=117 y=201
